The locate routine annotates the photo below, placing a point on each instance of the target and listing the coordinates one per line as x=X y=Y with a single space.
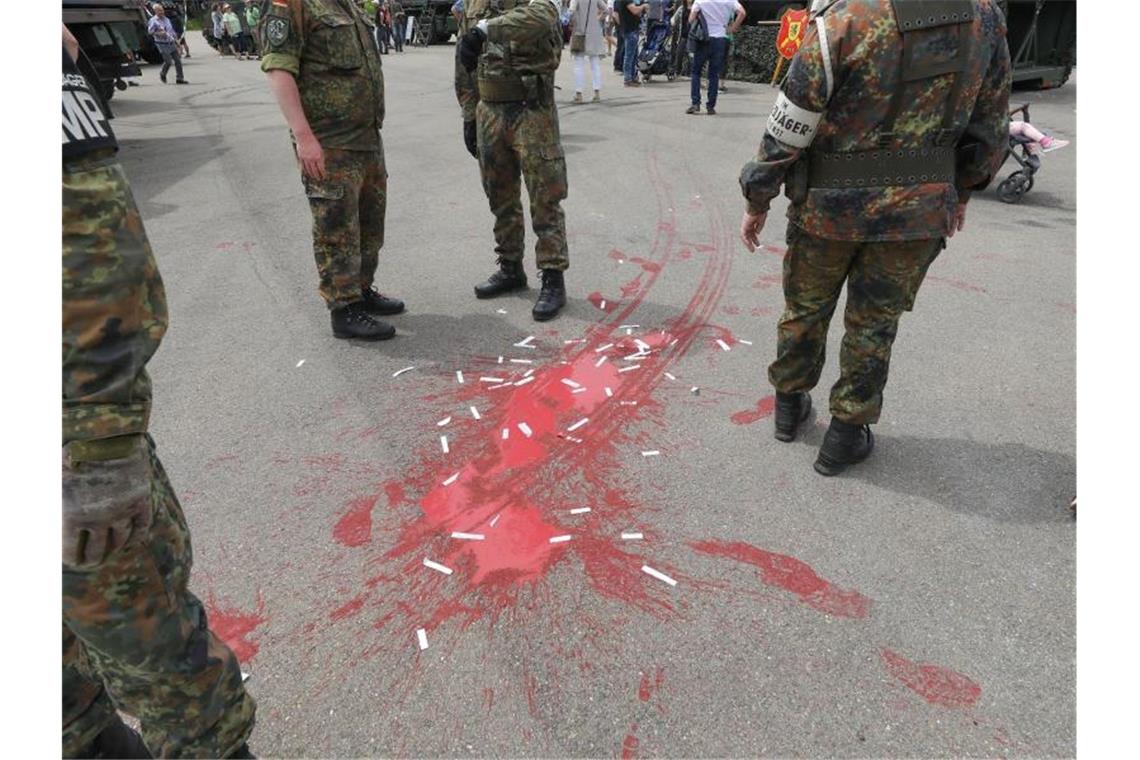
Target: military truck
x=111 y=34
x=434 y=23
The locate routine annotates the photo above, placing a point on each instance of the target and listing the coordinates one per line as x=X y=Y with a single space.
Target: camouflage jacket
x=843 y=78
x=328 y=45
x=522 y=39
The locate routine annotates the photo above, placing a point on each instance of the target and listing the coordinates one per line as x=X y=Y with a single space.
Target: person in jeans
x=629 y=18
x=166 y=40
x=383 y=28
x=399 y=24
x=718 y=17
x=234 y=31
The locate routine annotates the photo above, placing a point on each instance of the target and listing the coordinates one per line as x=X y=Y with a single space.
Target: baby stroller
x=656 y=56
x=1012 y=188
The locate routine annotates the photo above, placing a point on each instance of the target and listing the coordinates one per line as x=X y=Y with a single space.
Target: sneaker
x=633 y=83
x=162 y=77
x=181 y=81
x=1050 y=144
x=577 y=98
x=693 y=110
x=597 y=97
x=711 y=110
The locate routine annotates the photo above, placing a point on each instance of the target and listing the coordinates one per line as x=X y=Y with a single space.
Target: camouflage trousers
x=517 y=139
x=134 y=638
x=882 y=282
x=348 y=208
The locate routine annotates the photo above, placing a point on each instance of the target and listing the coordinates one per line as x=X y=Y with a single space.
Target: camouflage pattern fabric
x=516 y=138
x=114 y=305
x=864 y=48
x=348 y=209
x=882 y=282
x=329 y=47
x=135 y=639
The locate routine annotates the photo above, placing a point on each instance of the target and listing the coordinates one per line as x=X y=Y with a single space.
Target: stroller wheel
x=1013 y=187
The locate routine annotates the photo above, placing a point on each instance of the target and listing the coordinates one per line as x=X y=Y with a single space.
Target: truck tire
x=150 y=54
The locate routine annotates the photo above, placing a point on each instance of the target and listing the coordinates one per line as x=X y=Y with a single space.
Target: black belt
x=880 y=168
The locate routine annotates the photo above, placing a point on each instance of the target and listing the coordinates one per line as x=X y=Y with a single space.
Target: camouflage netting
x=753 y=56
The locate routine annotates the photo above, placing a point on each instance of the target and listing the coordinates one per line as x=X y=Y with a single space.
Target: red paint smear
x=792 y=575
x=596 y=299
x=768 y=281
x=645 y=264
x=629 y=744
x=730 y=310
x=348 y=610
x=647 y=687
x=764 y=408
x=936 y=684
x=355 y=527
x=394 y=490
x=233 y=626
x=959 y=284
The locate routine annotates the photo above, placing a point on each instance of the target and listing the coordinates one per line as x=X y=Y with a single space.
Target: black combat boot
x=353 y=321
x=378 y=303
x=791 y=410
x=551 y=298
x=845 y=444
x=118 y=740
x=242 y=753
x=510 y=276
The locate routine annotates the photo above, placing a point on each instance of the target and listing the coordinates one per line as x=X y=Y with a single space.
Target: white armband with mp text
x=791 y=124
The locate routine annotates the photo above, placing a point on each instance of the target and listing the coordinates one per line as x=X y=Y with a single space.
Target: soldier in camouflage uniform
x=891 y=114
x=324 y=70
x=504 y=81
x=134 y=637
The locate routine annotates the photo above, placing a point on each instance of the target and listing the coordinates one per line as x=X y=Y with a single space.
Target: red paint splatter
x=648 y=686
x=763 y=409
x=792 y=575
x=597 y=299
x=629 y=744
x=936 y=684
x=730 y=310
x=768 y=280
x=959 y=284
x=355 y=527
x=234 y=626
x=646 y=265
x=349 y=609
x=761 y=311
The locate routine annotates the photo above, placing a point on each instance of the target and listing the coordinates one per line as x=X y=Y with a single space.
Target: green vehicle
x=433 y=22
x=112 y=35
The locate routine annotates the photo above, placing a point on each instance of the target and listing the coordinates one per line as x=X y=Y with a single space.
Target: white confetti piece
x=723 y=345
x=500 y=360
x=641 y=344
x=451 y=480
x=572 y=439
x=443 y=444
x=491 y=380
x=244 y=676
x=506 y=433
x=602 y=305
x=559 y=539
x=522 y=361
x=443 y=422
x=474 y=412
x=577 y=424
x=421 y=635
x=628 y=403
x=600 y=361
x=670 y=375
x=494 y=520
x=658 y=575
x=436 y=566
x=630 y=368
x=399 y=372
x=673 y=342
x=623 y=327
x=606 y=347
x=631 y=536
x=467 y=536
x=525 y=380
x=303 y=361
x=609 y=392
x=653 y=453
x=579 y=390
x=579 y=510
x=695 y=390
x=745 y=342
x=629 y=331
x=525 y=342
x=572 y=341
x=459 y=376
x=528 y=373
x=525 y=429
x=569 y=382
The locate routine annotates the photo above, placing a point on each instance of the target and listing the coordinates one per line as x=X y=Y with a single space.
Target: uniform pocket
x=323 y=190
x=335 y=42
x=551 y=153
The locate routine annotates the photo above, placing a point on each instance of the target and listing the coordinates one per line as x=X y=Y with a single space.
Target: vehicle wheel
x=151 y=55
x=1013 y=187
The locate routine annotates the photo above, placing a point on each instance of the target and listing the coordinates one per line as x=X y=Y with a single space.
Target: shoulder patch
x=277 y=30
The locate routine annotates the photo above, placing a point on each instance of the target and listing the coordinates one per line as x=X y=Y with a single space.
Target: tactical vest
x=509 y=74
x=86 y=128
x=890 y=164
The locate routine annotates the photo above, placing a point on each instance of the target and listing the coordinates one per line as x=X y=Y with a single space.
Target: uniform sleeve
x=281 y=38
x=524 y=24
x=466 y=85
x=794 y=117
x=982 y=148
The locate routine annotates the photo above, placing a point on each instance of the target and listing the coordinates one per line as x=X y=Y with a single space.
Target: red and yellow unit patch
x=793 y=29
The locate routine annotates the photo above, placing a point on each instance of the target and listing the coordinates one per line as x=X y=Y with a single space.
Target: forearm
x=284 y=88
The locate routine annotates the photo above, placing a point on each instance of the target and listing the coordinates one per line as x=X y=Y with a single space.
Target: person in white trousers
x=587 y=18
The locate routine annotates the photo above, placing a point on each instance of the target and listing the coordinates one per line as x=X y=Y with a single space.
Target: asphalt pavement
x=921 y=605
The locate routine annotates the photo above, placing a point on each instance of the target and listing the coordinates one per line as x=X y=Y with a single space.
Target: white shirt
x=718 y=14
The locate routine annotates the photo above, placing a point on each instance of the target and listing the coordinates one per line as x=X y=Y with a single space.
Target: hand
x=469 y=48
x=959 y=219
x=750 y=226
x=106 y=506
x=312 y=157
x=469 y=138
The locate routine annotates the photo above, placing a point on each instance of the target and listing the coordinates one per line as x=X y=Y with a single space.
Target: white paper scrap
x=522 y=361
x=745 y=342
x=602 y=305
x=600 y=361
x=670 y=375
x=467 y=536
x=494 y=520
x=397 y=373
x=572 y=341
x=569 y=382
x=501 y=311
x=436 y=566
x=506 y=433
x=631 y=536
x=500 y=360
x=579 y=510
x=573 y=439
x=559 y=539
x=451 y=480
x=525 y=429
x=244 y=676
x=629 y=368
x=487 y=379
x=303 y=361
x=443 y=444
x=723 y=345
x=609 y=392
x=528 y=373
x=525 y=380
x=628 y=403
x=474 y=412
x=421 y=634
x=600 y=349
x=579 y=390
x=443 y=422
x=641 y=344
x=658 y=575
x=622 y=327
x=525 y=342
x=653 y=453
x=459 y=376
x=577 y=424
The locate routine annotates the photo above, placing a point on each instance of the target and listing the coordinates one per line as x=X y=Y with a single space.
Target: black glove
x=469 y=48
x=469 y=138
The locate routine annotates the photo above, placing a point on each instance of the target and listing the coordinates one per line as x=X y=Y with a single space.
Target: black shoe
x=510 y=276
x=845 y=444
x=378 y=303
x=353 y=321
x=710 y=110
x=551 y=298
x=181 y=81
x=693 y=109
x=162 y=77
x=791 y=410
x=118 y=740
